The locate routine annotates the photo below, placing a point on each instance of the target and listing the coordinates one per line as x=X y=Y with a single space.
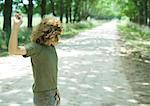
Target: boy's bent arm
x=13 y=42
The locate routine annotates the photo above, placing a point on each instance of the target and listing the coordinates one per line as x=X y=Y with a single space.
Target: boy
x=43 y=58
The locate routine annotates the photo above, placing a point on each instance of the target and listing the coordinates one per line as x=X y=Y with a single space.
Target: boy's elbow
x=18 y=51
x=11 y=51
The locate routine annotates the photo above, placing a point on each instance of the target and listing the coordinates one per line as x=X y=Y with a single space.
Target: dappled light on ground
x=139 y=78
x=92 y=76
x=15 y=81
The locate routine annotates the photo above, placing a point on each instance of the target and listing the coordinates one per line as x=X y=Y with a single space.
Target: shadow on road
x=16 y=91
x=138 y=74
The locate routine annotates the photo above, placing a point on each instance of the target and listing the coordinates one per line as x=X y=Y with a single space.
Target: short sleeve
x=30 y=50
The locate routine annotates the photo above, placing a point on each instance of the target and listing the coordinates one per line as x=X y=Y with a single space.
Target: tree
x=30 y=13
x=53 y=7
x=148 y=12
x=137 y=10
x=61 y=10
x=7 y=19
x=70 y=10
x=1 y=5
x=43 y=8
x=76 y=12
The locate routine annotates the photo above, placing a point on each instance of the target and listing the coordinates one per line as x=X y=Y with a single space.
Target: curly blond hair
x=48 y=27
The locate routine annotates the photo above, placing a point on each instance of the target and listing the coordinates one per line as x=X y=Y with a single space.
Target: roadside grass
x=136 y=38
x=72 y=29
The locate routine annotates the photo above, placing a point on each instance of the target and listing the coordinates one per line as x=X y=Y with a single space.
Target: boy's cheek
x=54 y=43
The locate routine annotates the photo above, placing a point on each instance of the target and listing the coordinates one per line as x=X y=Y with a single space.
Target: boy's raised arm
x=13 y=47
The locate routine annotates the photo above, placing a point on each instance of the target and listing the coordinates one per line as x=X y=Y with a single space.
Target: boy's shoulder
x=33 y=44
x=32 y=49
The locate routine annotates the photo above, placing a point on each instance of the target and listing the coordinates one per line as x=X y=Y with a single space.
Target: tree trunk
x=53 y=7
x=67 y=11
x=145 y=6
x=141 y=12
x=75 y=12
x=70 y=14
x=135 y=18
x=67 y=18
x=149 y=13
x=43 y=8
x=30 y=13
x=61 y=10
x=7 y=19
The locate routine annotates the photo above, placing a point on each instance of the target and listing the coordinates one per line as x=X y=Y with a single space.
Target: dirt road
x=90 y=72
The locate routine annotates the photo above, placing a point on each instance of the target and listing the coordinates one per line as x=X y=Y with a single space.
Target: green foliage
x=137 y=39
x=132 y=31
x=136 y=10
x=2 y=41
x=127 y=8
x=24 y=35
x=105 y=9
x=1 y=6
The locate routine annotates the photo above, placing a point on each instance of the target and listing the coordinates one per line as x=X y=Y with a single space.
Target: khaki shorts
x=45 y=99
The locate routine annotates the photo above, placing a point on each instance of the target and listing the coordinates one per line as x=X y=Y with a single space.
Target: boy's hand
x=17 y=19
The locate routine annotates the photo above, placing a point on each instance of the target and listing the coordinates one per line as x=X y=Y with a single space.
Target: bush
x=2 y=40
x=132 y=31
x=72 y=29
x=24 y=35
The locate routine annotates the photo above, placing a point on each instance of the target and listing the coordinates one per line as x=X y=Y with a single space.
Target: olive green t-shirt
x=44 y=65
